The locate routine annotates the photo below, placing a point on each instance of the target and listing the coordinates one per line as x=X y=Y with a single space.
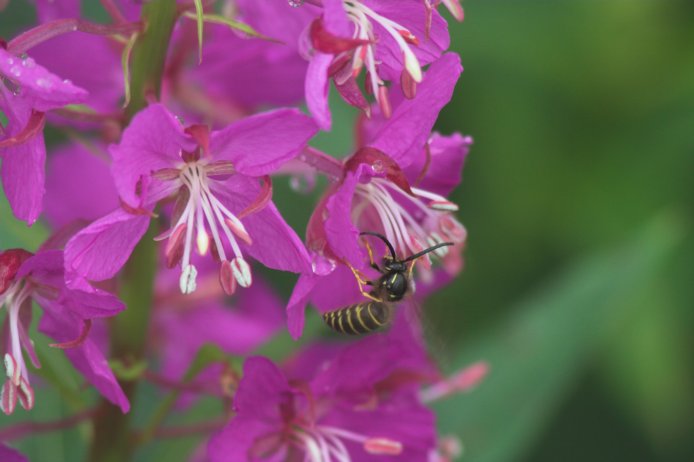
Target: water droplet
x=10 y=61
x=302 y=183
x=43 y=83
x=377 y=167
x=67 y=82
x=16 y=71
x=321 y=265
x=295 y=3
x=28 y=62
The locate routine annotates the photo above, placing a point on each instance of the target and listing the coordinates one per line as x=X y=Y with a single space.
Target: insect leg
x=372 y=262
x=363 y=282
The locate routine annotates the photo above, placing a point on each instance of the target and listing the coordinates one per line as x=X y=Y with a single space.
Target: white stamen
x=408 y=222
x=188 y=282
x=26 y=394
x=10 y=367
x=203 y=242
x=205 y=215
x=242 y=272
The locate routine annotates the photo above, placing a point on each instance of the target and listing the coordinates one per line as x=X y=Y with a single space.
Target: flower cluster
x=181 y=161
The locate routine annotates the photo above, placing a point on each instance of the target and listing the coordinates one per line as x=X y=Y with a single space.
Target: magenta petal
x=262 y=391
x=102 y=248
x=296 y=308
x=23 y=178
x=7 y=454
x=316 y=87
x=444 y=167
x=88 y=359
x=402 y=418
x=89 y=302
x=335 y=18
x=276 y=18
x=79 y=186
x=260 y=144
x=101 y=75
x=342 y=235
x=245 y=72
x=275 y=243
x=42 y=89
x=48 y=10
x=153 y=141
x=253 y=320
x=403 y=136
x=410 y=14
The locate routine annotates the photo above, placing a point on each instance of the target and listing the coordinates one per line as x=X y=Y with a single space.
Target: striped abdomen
x=360 y=318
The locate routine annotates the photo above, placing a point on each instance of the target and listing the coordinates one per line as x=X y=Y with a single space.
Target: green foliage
x=537 y=352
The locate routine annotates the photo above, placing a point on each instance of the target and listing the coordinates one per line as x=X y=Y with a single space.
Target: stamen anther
x=226 y=278
x=242 y=272
x=188 y=282
x=383 y=446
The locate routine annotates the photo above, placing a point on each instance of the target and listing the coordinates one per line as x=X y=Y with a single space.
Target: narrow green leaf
x=232 y=24
x=536 y=354
x=125 y=64
x=200 y=13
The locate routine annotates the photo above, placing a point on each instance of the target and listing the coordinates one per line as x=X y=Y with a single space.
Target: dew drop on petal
x=16 y=71
x=10 y=61
x=28 y=62
x=43 y=83
x=377 y=167
x=295 y=3
x=67 y=82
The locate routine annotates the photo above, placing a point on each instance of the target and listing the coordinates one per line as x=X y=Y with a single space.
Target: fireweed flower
x=221 y=192
x=67 y=315
x=396 y=185
x=353 y=403
x=390 y=39
x=27 y=91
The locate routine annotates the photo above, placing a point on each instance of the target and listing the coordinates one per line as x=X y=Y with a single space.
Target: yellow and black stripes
x=360 y=318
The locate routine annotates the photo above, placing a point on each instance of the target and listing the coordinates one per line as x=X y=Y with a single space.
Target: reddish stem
x=49 y=30
x=177 y=385
x=20 y=430
x=193 y=429
x=322 y=162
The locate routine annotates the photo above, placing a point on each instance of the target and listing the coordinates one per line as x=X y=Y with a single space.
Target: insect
x=392 y=286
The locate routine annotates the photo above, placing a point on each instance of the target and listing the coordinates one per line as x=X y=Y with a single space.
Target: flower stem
x=113 y=440
x=49 y=30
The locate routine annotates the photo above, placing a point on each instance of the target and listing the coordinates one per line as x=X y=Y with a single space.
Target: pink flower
x=67 y=315
x=27 y=92
x=354 y=403
x=395 y=185
x=221 y=190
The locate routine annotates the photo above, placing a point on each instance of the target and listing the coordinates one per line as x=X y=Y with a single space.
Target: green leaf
x=537 y=353
x=200 y=13
x=14 y=233
x=231 y=23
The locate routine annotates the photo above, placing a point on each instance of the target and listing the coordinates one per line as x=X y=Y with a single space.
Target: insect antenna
x=426 y=251
x=384 y=239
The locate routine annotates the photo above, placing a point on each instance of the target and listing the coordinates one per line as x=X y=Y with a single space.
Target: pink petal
x=260 y=144
x=102 y=248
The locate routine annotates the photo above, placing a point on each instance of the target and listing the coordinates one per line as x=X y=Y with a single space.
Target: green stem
x=128 y=331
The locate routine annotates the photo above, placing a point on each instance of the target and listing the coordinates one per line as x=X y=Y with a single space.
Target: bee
x=391 y=287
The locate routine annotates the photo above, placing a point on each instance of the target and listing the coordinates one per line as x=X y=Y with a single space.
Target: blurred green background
x=577 y=195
